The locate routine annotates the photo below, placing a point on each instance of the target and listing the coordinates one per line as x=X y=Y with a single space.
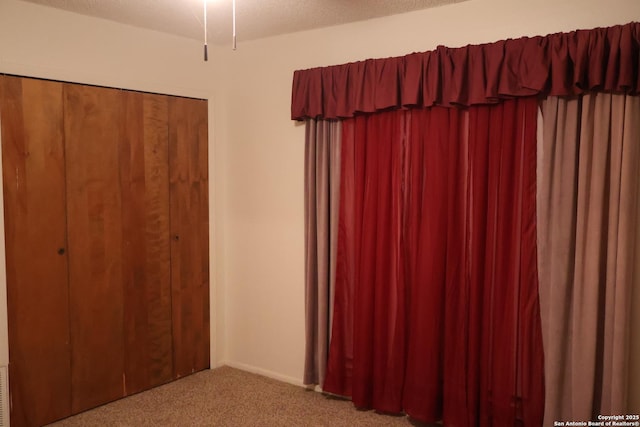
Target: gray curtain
x=321 y=199
x=588 y=232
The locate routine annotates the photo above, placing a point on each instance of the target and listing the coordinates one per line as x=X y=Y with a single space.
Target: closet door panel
x=190 y=234
x=92 y=130
x=146 y=249
x=35 y=229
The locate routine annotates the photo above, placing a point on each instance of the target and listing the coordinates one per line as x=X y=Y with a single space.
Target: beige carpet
x=231 y=397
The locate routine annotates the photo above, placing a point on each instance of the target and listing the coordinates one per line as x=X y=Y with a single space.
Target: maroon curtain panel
x=602 y=59
x=436 y=310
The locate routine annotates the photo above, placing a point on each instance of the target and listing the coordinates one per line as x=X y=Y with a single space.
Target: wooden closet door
x=144 y=180
x=31 y=116
x=190 y=234
x=93 y=118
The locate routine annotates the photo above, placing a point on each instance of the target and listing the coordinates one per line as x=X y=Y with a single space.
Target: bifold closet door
x=144 y=183
x=118 y=185
x=93 y=118
x=188 y=178
x=31 y=116
x=107 y=231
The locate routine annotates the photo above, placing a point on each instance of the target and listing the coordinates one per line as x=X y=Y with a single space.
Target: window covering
x=562 y=64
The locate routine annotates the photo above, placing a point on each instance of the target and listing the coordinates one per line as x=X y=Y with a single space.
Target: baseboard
x=219 y=364
x=264 y=372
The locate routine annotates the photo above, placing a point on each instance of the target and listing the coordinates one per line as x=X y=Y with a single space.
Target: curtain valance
x=562 y=64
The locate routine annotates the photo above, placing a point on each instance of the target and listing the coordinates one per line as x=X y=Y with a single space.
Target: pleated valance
x=562 y=64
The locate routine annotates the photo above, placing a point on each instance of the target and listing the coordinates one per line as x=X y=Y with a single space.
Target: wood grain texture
x=117 y=181
x=188 y=176
x=35 y=229
x=144 y=181
x=95 y=227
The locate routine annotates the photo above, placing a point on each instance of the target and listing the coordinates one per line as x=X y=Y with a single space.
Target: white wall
x=44 y=42
x=264 y=150
x=256 y=155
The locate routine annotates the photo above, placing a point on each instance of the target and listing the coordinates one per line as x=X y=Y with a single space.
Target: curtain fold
x=368 y=228
x=588 y=214
x=562 y=64
x=321 y=201
x=436 y=304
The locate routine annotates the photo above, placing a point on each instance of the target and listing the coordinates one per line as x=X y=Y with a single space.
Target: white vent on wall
x=4 y=397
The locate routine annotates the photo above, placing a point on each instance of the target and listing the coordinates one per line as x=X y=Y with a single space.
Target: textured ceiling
x=255 y=18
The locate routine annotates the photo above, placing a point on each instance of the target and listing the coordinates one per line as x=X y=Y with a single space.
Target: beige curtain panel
x=321 y=198
x=589 y=257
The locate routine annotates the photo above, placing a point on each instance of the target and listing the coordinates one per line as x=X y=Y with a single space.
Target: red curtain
x=436 y=303
x=562 y=64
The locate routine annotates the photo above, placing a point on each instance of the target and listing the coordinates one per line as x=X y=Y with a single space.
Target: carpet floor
x=231 y=397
